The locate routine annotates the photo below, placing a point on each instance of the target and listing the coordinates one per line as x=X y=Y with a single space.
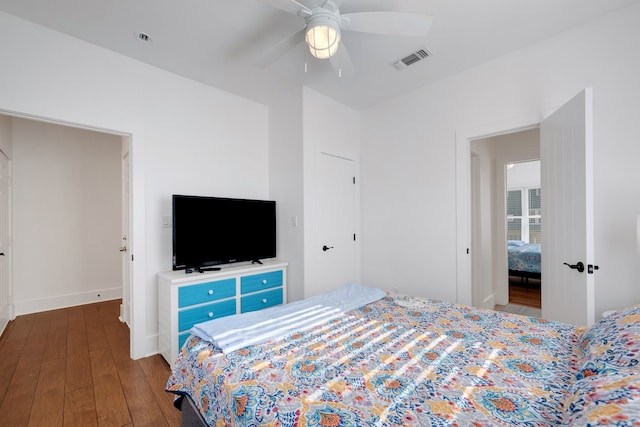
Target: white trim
x=141 y=345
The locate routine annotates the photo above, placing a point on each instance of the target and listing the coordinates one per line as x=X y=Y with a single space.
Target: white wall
x=66 y=216
x=408 y=190
x=286 y=185
x=186 y=137
x=332 y=128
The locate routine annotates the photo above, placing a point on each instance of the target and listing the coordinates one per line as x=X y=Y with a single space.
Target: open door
x=566 y=151
x=5 y=251
x=125 y=308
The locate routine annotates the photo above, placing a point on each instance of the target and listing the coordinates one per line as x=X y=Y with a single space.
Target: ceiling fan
x=324 y=25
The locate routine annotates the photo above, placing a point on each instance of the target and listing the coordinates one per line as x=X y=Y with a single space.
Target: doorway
x=489 y=250
x=77 y=219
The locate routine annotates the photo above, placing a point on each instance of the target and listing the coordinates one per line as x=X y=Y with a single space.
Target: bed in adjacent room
x=399 y=360
x=524 y=259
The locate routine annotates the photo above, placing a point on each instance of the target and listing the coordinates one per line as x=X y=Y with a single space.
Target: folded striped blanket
x=235 y=332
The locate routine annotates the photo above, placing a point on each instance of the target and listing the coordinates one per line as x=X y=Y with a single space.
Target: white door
x=335 y=239
x=5 y=250
x=566 y=152
x=125 y=309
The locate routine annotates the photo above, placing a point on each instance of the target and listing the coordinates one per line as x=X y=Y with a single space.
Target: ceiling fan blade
x=342 y=64
x=280 y=49
x=290 y=6
x=331 y=4
x=389 y=23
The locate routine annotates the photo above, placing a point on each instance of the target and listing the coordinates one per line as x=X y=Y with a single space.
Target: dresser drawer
x=182 y=338
x=261 y=300
x=205 y=292
x=258 y=282
x=189 y=317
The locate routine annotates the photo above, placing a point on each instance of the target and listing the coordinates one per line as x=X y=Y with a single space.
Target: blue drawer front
x=182 y=338
x=205 y=292
x=258 y=282
x=262 y=300
x=189 y=317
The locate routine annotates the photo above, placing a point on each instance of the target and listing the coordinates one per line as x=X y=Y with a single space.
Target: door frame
x=4 y=321
x=140 y=345
x=463 y=138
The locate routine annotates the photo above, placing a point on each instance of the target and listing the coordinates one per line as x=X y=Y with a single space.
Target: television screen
x=209 y=231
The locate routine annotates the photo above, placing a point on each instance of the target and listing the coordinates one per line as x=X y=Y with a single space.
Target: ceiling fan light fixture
x=323 y=36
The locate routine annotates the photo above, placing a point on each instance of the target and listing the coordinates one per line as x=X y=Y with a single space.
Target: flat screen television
x=209 y=231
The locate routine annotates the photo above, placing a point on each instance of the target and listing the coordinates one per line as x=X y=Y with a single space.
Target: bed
x=404 y=360
x=524 y=259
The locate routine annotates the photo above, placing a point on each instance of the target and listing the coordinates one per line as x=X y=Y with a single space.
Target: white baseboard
x=489 y=302
x=151 y=345
x=37 y=305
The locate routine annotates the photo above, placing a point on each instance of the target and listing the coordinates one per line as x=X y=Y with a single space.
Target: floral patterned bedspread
x=402 y=361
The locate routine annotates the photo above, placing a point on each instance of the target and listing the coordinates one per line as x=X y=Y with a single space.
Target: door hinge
x=354 y=237
x=131 y=257
x=354 y=179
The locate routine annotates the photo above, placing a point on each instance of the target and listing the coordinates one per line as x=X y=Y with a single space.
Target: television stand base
x=201 y=269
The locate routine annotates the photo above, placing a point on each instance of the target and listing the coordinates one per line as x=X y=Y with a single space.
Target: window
x=523 y=215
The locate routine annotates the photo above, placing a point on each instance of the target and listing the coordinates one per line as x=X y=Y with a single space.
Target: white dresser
x=187 y=299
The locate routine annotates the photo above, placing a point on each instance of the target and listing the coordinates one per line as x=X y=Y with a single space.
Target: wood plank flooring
x=71 y=367
x=525 y=293
x=524 y=298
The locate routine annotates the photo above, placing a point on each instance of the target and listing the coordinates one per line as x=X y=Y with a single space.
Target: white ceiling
x=218 y=41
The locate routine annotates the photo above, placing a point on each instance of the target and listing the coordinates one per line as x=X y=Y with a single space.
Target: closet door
x=335 y=238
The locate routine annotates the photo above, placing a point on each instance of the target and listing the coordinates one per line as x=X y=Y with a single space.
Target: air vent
x=411 y=59
x=143 y=37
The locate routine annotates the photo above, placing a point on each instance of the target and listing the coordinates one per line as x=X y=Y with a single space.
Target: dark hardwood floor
x=525 y=293
x=71 y=367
